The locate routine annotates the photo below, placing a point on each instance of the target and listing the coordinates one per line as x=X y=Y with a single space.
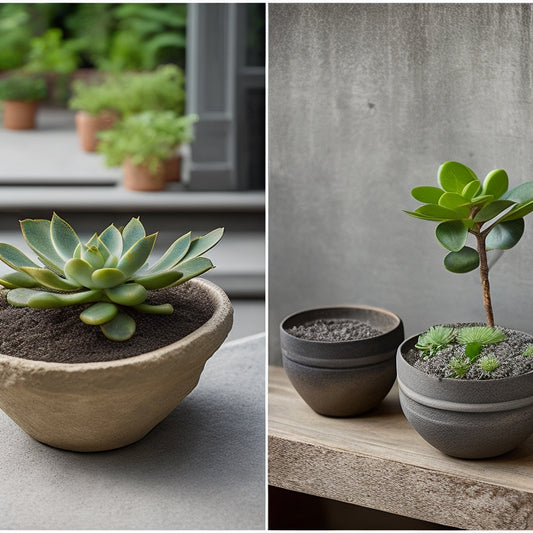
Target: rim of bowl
x=394 y=316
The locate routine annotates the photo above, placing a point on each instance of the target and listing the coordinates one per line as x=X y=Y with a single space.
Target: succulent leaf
x=79 y=270
x=453 y=201
x=463 y=261
x=64 y=239
x=120 y=328
x=193 y=268
x=200 y=245
x=99 y=313
x=159 y=280
x=521 y=194
x=14 y=280
x=519 y=211
x=40 y=299
x=36 y=233
x=92 y=255
x=14 y=258
x=128 y=294
x=452 y=234
x=175 y=253
x=505 y=235
x=105 y=278
x=132 y=233
x=489 y=363
x=112 y=239
x=160 y=309
x=136 y=256
x=50 y=279
x=471 y=189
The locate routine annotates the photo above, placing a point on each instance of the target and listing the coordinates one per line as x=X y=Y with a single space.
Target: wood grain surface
x=378 y=460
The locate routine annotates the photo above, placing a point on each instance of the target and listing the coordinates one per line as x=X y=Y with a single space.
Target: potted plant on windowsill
x=144 y=144
x=96 y=105
x=468 y=388
x=341 y=360
x=20 y=95
x=145 y=334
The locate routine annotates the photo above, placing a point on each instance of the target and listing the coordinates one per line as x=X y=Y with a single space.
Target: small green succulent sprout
x=110 y=271
x=459 y=366
x=435 y=339
x=528 y=351
x=480 y=334
x=489 y=363
x=464 y=206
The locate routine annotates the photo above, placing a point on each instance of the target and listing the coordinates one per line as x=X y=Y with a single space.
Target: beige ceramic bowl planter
x=101 y=406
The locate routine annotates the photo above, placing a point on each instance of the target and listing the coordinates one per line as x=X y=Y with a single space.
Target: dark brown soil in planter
x=59 y=335
x=334 y=330
x=509 y=352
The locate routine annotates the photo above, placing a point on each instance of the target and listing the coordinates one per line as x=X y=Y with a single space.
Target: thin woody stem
x=484 y=274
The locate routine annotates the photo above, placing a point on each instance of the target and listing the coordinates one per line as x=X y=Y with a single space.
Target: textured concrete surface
x=365 y=102
x=201 y=468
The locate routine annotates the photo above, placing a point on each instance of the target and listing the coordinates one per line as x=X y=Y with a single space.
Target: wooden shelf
x=378 y=461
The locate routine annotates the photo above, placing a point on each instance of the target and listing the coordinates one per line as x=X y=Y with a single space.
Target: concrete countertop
x=203 y=467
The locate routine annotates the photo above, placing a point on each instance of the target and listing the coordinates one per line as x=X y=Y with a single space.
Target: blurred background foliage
x=111 y=37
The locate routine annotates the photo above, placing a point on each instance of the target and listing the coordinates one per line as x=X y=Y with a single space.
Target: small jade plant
x=110 y=271
x=464 y=206
x=473 y=338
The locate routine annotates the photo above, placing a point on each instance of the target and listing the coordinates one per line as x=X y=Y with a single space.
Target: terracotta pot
x=139 y=177
x=173 y=168
x=19 y=115
x=471 y=419
x=344 y=378
x=101 y=406
x=88 y=126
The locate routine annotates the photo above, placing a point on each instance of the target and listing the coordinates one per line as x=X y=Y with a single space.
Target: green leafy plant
x=528 y=351
x=482 y=335
x=459 y=365
x=435 y=339
x=22 y=87
x=489 y=363
x=95 y=97
x=51 y=53
x=464 y=206
x=147 y=138
x=110 y=271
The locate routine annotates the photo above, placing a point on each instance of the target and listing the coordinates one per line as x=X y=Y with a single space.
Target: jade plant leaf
x=437 y=212
x=519 y=211
x=453 y=201
x=505 y=235
x=496 y=183
x=427 y=195
x=452 y=234
x=521 y=194
x=463 y=261
x=471 y=189
x=492 y=210
x=453 y=176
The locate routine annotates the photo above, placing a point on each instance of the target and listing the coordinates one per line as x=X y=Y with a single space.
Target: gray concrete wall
x=365 y=103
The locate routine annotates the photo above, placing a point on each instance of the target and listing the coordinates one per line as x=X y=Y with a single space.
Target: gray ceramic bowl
x=342 y=378
x=472 y=419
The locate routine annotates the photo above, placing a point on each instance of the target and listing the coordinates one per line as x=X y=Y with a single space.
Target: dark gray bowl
x=342 y=378
x=471 y=419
